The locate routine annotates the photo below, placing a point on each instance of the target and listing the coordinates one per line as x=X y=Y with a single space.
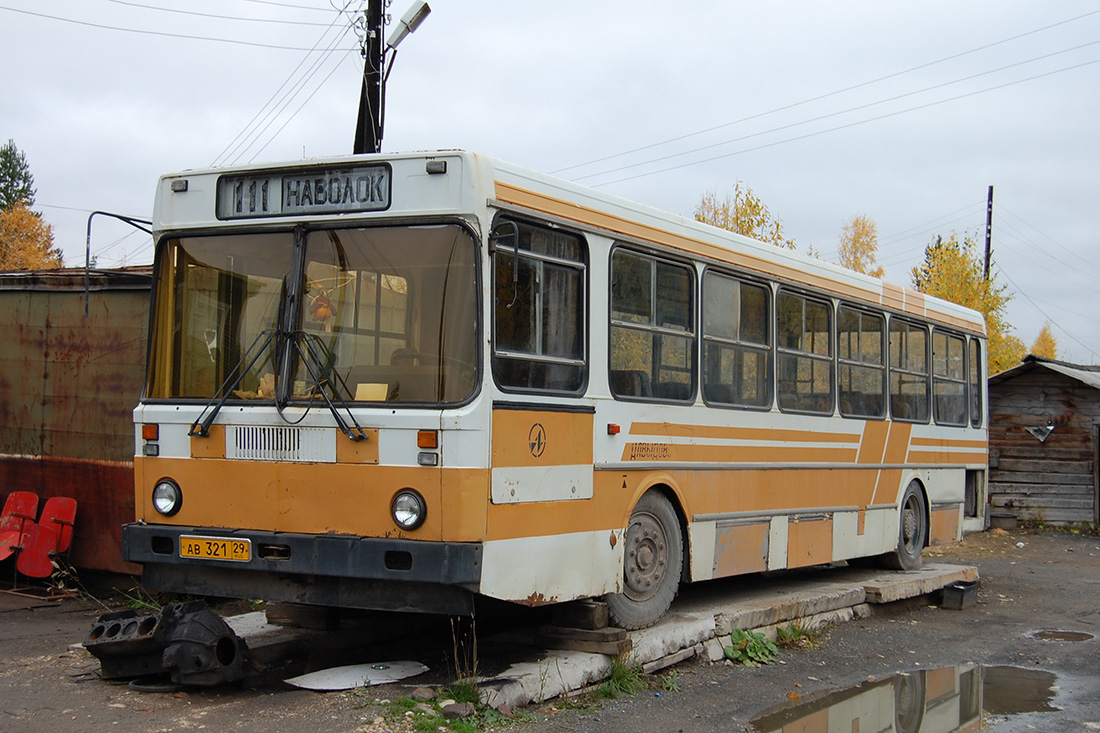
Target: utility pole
x=368 y=127
x=988 y=231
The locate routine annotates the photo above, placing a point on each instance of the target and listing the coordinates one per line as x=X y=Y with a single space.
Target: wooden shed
x=1043 y=438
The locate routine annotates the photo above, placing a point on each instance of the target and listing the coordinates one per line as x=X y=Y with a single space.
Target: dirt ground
x=1030 y=581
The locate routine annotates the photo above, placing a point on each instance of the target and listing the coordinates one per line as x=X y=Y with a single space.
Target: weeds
x=670 y=681
x=624 y=678
x=797 y=637
x=465 y=687
x=750 y=648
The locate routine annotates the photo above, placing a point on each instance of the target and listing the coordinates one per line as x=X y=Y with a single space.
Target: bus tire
x=912 y=530
x=652 y=563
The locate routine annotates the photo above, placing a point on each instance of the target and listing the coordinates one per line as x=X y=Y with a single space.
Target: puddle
x=1050 y=635
x=928 y=701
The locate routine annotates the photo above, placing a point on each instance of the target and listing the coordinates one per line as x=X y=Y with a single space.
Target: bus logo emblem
x=536 y=440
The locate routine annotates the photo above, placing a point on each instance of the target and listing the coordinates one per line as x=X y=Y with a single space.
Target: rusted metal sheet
x=68 y=387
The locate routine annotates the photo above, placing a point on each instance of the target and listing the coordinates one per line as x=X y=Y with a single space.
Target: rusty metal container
x=68 y=387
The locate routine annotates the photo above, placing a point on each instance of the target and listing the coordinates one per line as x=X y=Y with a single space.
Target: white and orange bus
x=401 y=381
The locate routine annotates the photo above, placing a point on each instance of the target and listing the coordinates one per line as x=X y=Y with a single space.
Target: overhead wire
x=839 y=113
x=215 y=16
x=1079 y=342
x=162 y=34
x=247 y=135
x=827 y=95
x=845 y=126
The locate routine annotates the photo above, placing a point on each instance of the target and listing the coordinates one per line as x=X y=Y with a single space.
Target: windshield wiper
x=201 y=426
x=321 y=377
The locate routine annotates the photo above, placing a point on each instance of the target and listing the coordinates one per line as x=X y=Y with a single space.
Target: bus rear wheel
x=912 y=530
x=652 y=563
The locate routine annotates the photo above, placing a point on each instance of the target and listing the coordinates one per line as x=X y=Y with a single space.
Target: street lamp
x=372 y=98
x=409 y=22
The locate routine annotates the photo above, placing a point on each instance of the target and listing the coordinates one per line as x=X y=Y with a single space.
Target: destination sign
x=298 y=193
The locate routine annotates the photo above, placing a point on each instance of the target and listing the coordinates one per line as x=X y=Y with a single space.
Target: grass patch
x=624 y=678
x=797 y=637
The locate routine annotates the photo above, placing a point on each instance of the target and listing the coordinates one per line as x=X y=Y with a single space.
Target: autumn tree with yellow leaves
x=26 y=240
x=858 y=247
x=1045 y=344
x=743 y=212
x=952 y=270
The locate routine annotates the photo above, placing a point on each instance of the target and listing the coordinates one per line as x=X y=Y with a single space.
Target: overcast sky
x=904 y=112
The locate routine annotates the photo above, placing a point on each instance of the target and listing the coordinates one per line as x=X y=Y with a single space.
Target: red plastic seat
x=20 y=510
x=59 y=513
x=36 y=555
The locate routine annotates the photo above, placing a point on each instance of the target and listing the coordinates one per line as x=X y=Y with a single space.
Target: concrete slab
x=697 y=621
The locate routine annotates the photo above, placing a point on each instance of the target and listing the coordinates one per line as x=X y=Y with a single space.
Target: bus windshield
x=382 y=314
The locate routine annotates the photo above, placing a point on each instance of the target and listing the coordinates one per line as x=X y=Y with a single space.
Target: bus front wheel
x=652 y=563
x=912 y=530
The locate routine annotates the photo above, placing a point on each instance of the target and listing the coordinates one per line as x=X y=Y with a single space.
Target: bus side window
x=652 y=328
x=805 y=366
x=908 y=371
x=736 y=342
x=540 y=311
x=948 y=378
x=862 y=372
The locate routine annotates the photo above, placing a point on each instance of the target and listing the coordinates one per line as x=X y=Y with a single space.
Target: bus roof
x=475 y=177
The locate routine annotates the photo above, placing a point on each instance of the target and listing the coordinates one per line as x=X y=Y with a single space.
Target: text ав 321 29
x=216 y=548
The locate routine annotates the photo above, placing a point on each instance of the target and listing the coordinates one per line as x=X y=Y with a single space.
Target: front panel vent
x=299 y=445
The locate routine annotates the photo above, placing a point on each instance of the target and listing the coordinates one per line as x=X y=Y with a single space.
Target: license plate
x=216 y=548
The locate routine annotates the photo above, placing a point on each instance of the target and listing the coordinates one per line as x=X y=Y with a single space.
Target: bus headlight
x=409 y=510
x=167 y=497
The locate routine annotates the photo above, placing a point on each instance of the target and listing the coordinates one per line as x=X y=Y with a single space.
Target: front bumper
x=328 y=570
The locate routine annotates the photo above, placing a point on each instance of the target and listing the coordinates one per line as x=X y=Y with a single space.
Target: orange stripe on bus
x=670 y=452
x=874 y=442
x=949 y=443
x=717 y=431
x=943 y=457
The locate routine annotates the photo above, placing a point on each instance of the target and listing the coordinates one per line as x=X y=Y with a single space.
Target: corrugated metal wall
x=68 y=386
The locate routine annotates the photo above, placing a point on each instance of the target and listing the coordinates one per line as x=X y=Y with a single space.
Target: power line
x=835 y=114
x=826 y=95
x=243 y=137
x=1003 y=210
x=295 y=113
x=213 y=15
x=851 y=124
x=286 y=5
x=153 y=33
x=1043 y=313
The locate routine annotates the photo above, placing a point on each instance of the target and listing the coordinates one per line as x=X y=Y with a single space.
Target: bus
x=400 y=382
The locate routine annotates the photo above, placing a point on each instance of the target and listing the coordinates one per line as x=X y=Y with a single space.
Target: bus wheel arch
x=653 y=560
x=913 y=528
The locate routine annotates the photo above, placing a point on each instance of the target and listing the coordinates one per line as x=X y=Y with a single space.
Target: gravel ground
x=1031 y=581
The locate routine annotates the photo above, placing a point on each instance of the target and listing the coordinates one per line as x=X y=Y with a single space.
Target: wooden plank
x=1042 y=479
x=596 y=641
x=1045 y=466
x=587 y=614
x=1006 y=487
